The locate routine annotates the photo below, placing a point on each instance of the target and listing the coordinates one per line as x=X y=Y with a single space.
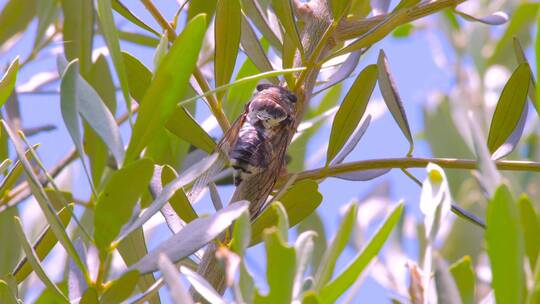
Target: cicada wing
x=221 y=155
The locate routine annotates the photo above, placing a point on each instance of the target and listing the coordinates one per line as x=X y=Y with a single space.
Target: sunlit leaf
x=7 y=83
x=344 y=71
x=447 y=291
x=254 y=49
x=227 y=31
x=530 y=225
x=202 y=286
x=42 y=246
x=304 y=250
x=90 y=296
x=161 y=50
x=285 y=14
x=167 y=86
x=520 y=55
x=201 y=7
x=338 y=243
x=464 y=276
x=33 y=259
x=78 y=30
x=351 y=111
x=280 y=279
x=241 y=234
x=258 y=17
x=121 y=288
x=179 y=201
x=6 y=296
x=331 y=291
x=183 y=125
x=194 y=236
x=509 y=107
x=10 y=254
x=138 y=38
x=116 y=202
x=352 y=141
x=299 y=202
x=177 y=291
x=505 y=247
x=123 y=10
x=496 y=18
x=339 y=8
x=139 y=76
x=392 y=99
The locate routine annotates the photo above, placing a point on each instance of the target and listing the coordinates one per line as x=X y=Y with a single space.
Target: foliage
x=143 y=142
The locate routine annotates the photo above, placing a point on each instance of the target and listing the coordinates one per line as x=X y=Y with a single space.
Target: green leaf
x=447 y=291
x=505 y=247
x=6 y=296
x=100 y=78
x=331 y=291
x=254 y=49
x=108 y=28
x=33 y=259
x=199 y=284
x=351 y=111
x=227 y=38
x=241 y=234
x=303 y=247
x=43 y=201
x=340 y=240
x=520 y=55
x=392 y=99
x=78 y=30
x=179 y=201
x=121 y=288
x=161 y=50
x=12 y=253
x=43 y=245
x=509 y=107
x=167 y=87
x=299 y=202
x=285 y=14
x=531 y=229
x=123 y=10
x=90 y=296
x=139 y=76
x=13 y=176
x=46 y=14
x=258 y=17
x=280 y=277
x=207 y=7
x=192 y=237
x=183 y=125
x=464 y=275
x=115 y=203
x=537 y=52
x=15 y=17
x=139 y=39
x=7 y=83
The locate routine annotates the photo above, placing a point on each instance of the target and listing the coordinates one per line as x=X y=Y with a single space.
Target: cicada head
x=277 y=94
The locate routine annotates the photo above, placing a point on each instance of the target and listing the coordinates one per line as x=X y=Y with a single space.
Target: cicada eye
x=264 y=86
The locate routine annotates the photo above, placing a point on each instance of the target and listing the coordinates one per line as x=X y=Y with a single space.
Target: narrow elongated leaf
x=505 y=247
x=340 y=240
x=531 y=229
x=239 y=95
x=258 y=17
x=537 y=52
x=344 y=71
x=108 y=28
x=339 y=8
x=15 y=17
x=241 y=234
x=167 y=87
x=6 y=296
x=123 y=10
x=331 y=291
x=178 y=293
x=509 y=107
x=497 y=18
x=161 y=50
x=202 y=286
x=304 y=250
x=513 y=139
x=447 y=291
x=78 y=31
x=34 y=260
x=392 y=99
x=139 y=39
x=10 y=254
x=7 y=83
x=351 y=111
x=362 y=176
x=43 y=245
x=464 y=275
x=201 y=7
x=285 y=14
x=353 y=140
x=253 y=48
x=520 y=55
x=179 y=201
x=183 y=125
x=116 y=202
x=194 y=236
x=121 y=288
x=139 y=76
x=299 y=202
x=227 y=39
x=280 y=279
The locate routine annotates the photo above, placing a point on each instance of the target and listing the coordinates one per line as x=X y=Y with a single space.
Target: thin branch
x=414 y=162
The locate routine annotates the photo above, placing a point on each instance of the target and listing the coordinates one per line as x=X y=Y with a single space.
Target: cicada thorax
x=269 y=112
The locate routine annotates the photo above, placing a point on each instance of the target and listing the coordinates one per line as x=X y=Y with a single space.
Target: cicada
x=256 y=139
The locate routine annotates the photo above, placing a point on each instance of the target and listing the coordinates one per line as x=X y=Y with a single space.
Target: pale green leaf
x=185 y=127
x=227 y=31
x=139 y=76
x=121 y=288
x=123 y=10
x=15 y=17
x=7 y=83
x=284 y=12
x=179 y=201
x=464 y=275
x=530 y=224
x=178 y=293
x=6 y=296
x=446 y=286
x=78 y=31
